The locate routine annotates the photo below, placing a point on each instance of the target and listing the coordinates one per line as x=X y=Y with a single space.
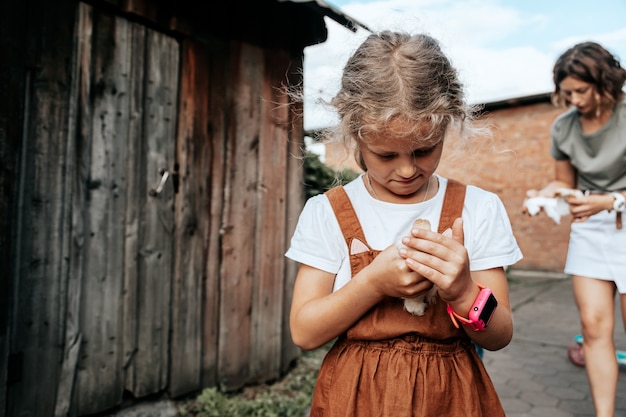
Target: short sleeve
x=491 y=242
x=555 y=150
x=317 y=240
x=560 y=132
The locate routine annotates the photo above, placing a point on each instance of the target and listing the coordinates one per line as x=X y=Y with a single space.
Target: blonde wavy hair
x=399 y=76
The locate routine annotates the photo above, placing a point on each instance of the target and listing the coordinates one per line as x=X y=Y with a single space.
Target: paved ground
x=533 y=375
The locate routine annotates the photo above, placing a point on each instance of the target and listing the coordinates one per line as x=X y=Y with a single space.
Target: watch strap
x=455 y=317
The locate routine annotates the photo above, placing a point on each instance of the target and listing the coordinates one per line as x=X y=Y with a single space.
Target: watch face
x=488 y=309
x=620 y=202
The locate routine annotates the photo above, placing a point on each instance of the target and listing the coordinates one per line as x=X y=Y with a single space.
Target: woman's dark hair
x=593 y=64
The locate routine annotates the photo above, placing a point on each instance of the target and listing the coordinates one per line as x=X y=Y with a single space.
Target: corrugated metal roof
x=333 y=12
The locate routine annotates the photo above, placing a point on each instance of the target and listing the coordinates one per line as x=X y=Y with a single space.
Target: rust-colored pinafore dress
x=394 y=364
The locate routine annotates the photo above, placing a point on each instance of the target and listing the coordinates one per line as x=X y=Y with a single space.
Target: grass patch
x=288 y=397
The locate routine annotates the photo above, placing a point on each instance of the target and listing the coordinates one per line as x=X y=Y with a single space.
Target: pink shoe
x=575 y=354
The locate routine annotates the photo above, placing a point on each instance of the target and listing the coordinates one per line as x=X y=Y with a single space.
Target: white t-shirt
x=318 y=241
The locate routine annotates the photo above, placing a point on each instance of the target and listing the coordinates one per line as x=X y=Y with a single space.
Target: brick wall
x=517 y=160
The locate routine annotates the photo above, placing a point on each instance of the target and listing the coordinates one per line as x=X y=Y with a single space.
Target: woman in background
x=588 y=144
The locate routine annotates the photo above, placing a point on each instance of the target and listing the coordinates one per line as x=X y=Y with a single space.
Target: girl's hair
x=591 y=63
x=398 y=76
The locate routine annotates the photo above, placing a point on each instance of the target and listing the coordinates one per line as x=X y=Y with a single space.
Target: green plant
x=289 y=397
x=212 y=403
x=319 y=177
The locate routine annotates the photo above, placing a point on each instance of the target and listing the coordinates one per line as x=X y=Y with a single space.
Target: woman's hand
x=565 y=177
x=547 y=192
x=584 y=207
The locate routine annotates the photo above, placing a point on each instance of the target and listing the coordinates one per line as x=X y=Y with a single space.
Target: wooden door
x=123 y=210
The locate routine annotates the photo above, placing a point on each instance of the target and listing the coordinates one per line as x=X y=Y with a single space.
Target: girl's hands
x=318 y=314
x=390 y=275
x=442 y=259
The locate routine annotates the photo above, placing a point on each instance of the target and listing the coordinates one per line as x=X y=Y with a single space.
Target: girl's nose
x=406 y=168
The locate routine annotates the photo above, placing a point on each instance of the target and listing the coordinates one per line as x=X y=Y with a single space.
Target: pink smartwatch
x=481 y=312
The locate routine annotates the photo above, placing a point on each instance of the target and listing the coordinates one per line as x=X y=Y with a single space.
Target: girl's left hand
x=441 y=258
x=585 y=207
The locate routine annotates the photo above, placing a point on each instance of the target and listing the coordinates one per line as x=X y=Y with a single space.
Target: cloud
x=502 y=49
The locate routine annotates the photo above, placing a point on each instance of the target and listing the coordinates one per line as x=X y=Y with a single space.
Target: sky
x=502 y=49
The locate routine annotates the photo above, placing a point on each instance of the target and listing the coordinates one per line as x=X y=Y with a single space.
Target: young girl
x=400 y=99
x=589 y=150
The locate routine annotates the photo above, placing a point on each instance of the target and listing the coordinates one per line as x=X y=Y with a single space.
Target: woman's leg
x=596 y=305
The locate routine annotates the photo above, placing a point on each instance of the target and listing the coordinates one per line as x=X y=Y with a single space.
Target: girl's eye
x=423 y=152
x=385 y=156
x=416 y=154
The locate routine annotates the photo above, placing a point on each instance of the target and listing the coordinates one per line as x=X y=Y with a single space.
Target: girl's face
x=399 y=168
x=580 y=94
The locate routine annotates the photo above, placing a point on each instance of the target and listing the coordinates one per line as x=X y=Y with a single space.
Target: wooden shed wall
x=118 y=290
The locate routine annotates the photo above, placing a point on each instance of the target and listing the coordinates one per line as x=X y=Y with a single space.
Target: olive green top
x=599 y=158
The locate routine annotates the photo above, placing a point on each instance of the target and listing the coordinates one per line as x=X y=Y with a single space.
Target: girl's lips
x=407 y=182
x=407 y=186
x=404 y=183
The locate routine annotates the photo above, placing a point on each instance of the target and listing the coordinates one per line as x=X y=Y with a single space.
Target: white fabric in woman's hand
x=554 y=207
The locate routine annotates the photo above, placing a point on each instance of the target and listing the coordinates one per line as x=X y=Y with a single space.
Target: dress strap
x=452 y=204
x=389 y=319
x=351 y=227
x=348 y=220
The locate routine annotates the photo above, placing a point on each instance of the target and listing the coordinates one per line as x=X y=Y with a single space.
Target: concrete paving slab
x=533 y=375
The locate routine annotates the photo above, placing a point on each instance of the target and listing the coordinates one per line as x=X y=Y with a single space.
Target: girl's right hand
x=389 y=274
x=319 y=314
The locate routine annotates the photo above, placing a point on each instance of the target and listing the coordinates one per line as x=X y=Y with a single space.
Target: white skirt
x=597 y=249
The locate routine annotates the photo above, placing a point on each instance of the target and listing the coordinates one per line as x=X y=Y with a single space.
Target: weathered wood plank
x=155 y=257
x=135 y=200
x=39 y=307
x=239 y=224
x=99 y=381
x=219 y=94
x=38 y=283
x=11 y=120
x=192 y=222
x=269 y=264
x=77 y=140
